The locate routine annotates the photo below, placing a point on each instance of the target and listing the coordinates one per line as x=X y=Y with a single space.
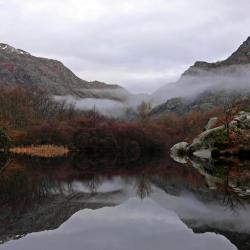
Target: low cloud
x=235 y=77
x=106 y=107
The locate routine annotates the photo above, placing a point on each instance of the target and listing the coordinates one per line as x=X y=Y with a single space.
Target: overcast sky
x=139 y=44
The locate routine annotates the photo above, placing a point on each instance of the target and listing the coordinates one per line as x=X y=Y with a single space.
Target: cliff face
x=18 y=67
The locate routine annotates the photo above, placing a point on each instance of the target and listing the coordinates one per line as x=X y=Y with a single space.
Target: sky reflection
x=135 y=224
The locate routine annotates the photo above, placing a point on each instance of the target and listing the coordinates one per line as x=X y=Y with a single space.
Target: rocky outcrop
x=208 y=139
x=175 y=105
x=213 y=137
x=201 y=145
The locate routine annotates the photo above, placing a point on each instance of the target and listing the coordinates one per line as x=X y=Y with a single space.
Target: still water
x=150 y=204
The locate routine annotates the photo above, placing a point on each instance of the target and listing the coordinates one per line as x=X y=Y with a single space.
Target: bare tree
x=144 y=188
x=143 y=111
x=232 y=104
x=231 y=199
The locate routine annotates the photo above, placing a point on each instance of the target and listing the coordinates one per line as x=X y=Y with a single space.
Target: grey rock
x=178 y=152
x=175 y=105
x=204 y=154
x=206 y=139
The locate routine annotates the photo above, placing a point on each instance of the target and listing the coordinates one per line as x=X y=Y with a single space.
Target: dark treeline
x=32 y=117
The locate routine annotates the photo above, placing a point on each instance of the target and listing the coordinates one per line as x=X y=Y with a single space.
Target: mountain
x=205 y=85
x=241 y=57
x=18 y=67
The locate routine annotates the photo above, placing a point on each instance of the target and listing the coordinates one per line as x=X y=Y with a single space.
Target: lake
x=82 y=203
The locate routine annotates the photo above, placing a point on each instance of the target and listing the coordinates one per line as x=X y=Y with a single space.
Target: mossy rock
x=216 y=138
x=211 y=138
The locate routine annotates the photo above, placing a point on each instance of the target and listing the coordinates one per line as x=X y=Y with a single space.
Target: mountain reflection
x=41 y=194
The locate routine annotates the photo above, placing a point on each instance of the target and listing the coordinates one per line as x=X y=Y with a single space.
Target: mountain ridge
x=240 y=56
x=18 y=67
x=204 y=85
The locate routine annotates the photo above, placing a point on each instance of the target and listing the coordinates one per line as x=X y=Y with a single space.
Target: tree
x=143 y=111
x=144 y=188
x=231 y=106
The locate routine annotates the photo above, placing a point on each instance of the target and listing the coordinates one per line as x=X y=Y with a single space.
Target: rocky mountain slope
x=204 y=101
x=205 y=85
x=18 y=67
x=240 y=57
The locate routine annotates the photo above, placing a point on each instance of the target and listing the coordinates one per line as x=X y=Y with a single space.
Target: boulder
x=211 y=138
x=203 y=154
x=178 y=152
x=208 y=139
x=179 y=148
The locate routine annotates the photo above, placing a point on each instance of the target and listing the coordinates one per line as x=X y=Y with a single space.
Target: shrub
x=56 y=133
x=4 y=141
x=94 y=141
x=127 y=140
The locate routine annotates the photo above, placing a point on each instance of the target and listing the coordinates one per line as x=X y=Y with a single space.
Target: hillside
x=18 y=67
x=205 y=85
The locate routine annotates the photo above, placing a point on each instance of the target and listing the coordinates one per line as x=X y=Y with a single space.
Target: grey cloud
x=126 y=41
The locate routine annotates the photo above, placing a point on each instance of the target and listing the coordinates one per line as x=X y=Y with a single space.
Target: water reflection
x=132 y=225
x=143 y=186
x=38 y=195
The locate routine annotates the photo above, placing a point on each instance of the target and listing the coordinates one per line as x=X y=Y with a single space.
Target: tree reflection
x=143 y=186
x=93 y=183
x=231 y=199
x=4 y=157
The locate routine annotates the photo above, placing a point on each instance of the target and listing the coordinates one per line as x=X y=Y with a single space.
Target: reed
x=47 y=151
